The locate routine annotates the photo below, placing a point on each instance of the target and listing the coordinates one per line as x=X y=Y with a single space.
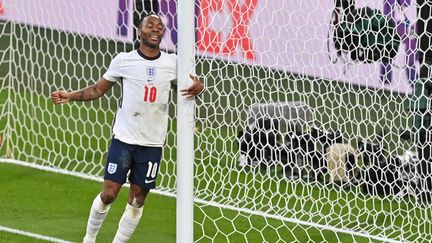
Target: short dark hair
x=145 y=16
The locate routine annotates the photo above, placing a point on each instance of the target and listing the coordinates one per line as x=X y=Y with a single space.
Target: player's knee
x=137 y=202
x=110 y=191
x=108 y=196
x=137 y=197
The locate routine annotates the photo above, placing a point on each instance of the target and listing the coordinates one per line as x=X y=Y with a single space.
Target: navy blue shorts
x=143 y=163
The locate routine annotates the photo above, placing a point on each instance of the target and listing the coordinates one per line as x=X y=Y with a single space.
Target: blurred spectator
x=406 y=31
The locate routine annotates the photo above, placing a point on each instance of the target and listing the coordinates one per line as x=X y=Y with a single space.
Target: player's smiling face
x=151 y=31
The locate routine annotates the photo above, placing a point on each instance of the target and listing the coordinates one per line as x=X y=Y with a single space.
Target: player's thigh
x=118 y=161
x=145 y=168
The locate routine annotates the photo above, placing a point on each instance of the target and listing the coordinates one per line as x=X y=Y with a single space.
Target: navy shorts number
x=142 y=161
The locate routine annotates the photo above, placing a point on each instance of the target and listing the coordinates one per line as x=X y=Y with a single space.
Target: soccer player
x=140 y=125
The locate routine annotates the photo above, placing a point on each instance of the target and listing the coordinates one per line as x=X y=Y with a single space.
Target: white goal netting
x=314 y=126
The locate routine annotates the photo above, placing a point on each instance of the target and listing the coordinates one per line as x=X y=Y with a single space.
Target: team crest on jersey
x=112 y=168
x=151 y=72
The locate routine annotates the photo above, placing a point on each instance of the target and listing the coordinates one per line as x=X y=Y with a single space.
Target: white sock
x=128 y=223
x=98 y=213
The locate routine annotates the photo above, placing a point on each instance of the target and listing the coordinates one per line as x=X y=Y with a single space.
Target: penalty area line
x=32 y=235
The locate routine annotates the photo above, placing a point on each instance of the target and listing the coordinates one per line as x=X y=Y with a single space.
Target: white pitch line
x=32 y=235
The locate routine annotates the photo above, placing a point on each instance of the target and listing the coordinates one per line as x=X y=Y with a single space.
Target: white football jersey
x=142 y=117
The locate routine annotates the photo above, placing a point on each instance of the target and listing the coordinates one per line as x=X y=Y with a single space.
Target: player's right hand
x=60 y=97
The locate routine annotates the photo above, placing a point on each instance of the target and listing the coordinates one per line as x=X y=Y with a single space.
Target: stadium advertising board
x=295 y=38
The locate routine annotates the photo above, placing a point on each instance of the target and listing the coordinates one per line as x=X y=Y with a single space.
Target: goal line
x=32 y=235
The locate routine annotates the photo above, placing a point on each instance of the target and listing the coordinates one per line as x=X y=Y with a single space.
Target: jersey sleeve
x=113 y=73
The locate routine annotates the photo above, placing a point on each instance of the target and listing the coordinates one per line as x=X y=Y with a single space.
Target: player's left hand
x=195 y=89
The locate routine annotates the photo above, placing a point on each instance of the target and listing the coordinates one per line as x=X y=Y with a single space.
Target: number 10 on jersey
x=150 y=93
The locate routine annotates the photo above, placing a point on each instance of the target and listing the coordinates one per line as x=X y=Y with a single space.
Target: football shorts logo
x=151 y=72
x=112 y=168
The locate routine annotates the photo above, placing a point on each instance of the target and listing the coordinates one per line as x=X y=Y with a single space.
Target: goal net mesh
x=313 y=127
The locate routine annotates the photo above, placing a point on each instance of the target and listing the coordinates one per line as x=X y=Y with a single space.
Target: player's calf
x=128 y=223
x=98 y=213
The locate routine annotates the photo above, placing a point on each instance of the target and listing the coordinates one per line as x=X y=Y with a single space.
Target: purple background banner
x=100 y=18
x=290 y=36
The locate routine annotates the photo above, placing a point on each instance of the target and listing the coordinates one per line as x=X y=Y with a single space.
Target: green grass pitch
x=57 y=206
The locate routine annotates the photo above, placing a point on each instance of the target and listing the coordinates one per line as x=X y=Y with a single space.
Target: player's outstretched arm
x=195 y=89
x=89 y=93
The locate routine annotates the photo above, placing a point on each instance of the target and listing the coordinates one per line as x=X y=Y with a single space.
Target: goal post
x=304 y=131
x=185 y=122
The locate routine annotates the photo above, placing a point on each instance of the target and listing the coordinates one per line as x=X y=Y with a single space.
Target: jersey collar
x=147 y=57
